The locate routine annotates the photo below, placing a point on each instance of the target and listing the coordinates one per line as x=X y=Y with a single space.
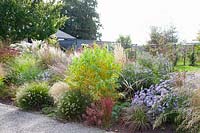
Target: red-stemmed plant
x=99 y=113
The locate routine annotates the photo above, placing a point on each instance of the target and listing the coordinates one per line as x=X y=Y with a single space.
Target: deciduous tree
x=83 y=22
x=20 y=19
x=125 y=41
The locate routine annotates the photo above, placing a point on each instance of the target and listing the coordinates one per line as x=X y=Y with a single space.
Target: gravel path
x=13 y=120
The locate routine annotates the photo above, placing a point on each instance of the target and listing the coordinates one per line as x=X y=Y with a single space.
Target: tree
x=155 y=35
x=125 y=41
x=170 y=34
x=83 y=22
x=198 y=36
x=162 y=36
x=20 y=19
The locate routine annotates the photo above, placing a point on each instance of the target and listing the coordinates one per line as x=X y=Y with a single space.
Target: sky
x=135 y=17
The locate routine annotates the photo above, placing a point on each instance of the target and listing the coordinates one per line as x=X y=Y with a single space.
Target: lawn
x=180 y=67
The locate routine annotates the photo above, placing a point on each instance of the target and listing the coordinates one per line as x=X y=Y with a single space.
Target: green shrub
x=7 y=93
x=34 y=96
x=96 y=72
x=133 y=78
x=24 y=68
x=146 y=71
x=117 y=110
x=172 y=107
x=73 y=104
x=192 y=58
x=2 y=75
x=160 y=65
x=1 y=82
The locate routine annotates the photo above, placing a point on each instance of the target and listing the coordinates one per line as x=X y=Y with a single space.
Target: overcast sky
x=134 y=18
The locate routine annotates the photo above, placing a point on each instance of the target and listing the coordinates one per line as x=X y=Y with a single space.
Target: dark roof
x=62 y=35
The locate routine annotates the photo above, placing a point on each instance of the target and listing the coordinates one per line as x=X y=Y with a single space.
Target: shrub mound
x=24 y=68
x=73 y=104
x=96 y=72
x=34 y=96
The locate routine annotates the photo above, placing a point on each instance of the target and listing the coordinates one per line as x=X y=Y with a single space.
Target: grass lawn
x=180 y=67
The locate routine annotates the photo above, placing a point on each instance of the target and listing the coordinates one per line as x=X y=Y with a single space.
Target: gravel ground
x=12 y=120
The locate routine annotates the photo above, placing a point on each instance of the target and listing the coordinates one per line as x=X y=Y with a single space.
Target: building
x=67 y=41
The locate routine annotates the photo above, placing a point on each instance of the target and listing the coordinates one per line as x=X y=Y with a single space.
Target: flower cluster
x=150 y=97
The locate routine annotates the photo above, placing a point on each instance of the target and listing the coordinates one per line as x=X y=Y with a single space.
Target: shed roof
x=62 y=35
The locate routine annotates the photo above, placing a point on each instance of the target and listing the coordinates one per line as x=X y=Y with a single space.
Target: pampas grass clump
x=119 y=54
x=57 y=90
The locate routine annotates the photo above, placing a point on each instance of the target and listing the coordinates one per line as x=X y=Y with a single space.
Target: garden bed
x=101 y=88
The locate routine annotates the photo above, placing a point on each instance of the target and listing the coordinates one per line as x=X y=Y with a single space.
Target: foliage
x=187 y=68
x=24 y=68
x=125 y=41
x=198 y=36
x=7 y=54
x=191 y=121
x=131 y=55
x=57 y=90
x=99 y=113
x=26 y=47
x=53 y=41
x=160 y=65
x=148 y=70
x=135 y=118
x=170 y=108
x=52 y=55
x=93 y=115
x=95 y=72
x=34 y=96
x=133 y=78
x=83 y=22
x=163 y=37
x=107 y=106
x=5 y=91
x=117 y=110
x=2 y=71
x=2 y=76
x=22 y=19
x=50 y=111
x=155 y=35
x=192 y=58
x=1 y=82
x=73 y=104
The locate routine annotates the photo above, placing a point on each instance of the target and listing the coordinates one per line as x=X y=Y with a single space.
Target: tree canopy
x=198 y=36
x=161 y=36
x=125 y=41
x=20 y=19
x=83 y=22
